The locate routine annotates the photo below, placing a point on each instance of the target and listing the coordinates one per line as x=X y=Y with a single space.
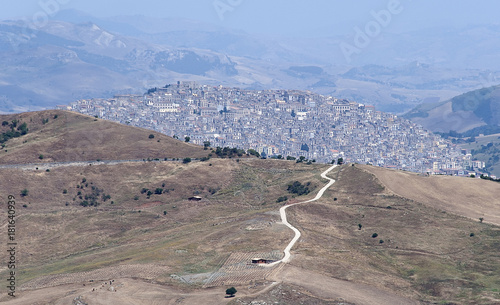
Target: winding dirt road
x=287 y=256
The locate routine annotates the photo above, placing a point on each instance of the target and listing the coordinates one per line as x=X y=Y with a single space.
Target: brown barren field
x=375 y=237
x=473 y=198
x=76 y=137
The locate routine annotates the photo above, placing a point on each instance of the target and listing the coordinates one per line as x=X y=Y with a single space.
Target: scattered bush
x=282 y=199
x=374 y=235
x=159 y=191
x=231 y=291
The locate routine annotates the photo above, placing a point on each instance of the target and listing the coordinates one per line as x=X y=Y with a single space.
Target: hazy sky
x=278 y=17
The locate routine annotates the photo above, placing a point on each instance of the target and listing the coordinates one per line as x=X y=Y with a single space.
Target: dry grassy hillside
x=375 y=237
x=164 y=234
x=473 y=198
x=61 y=136
x=419 y=251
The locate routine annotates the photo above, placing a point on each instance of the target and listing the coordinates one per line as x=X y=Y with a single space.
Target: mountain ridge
x=83 y=56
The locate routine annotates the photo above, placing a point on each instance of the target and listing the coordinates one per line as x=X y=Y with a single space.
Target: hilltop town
x=284 y=124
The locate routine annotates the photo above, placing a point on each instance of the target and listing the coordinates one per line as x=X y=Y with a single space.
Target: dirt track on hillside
x=473 y=198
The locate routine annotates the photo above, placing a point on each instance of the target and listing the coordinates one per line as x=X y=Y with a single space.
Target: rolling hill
x=142 y=241
x=64 y=136
x=474 y=112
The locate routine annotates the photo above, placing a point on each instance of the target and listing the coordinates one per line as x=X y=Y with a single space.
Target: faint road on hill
x=286 y=258
x=34 y=166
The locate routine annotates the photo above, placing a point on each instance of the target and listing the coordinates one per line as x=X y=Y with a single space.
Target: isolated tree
x=340 y=161
x=187 y=139
x=231 y=291
x=206 y=145
x=24 y=193
x=159 y=191
x=151 y=136
x=360 y=226
x=481 y=219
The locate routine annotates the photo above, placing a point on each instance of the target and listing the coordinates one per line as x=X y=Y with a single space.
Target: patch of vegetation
x=253 y=152
x=228 y=152
x=299 y=188
x=15 y=131
x=24 y=193
x=282 y=199
x=231 y=291
x=90 y=196
x=154 y=191
x=489 y=178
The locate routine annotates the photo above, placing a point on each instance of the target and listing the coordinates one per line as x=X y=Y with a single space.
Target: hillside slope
x=419 y=253
x=475 y=109
x=473 y=198
x=62 y=136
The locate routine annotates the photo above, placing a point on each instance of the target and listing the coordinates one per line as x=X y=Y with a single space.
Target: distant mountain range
x=79 y=56
x=477 y=111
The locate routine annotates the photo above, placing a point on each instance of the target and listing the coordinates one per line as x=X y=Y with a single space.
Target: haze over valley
x=249 y=152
